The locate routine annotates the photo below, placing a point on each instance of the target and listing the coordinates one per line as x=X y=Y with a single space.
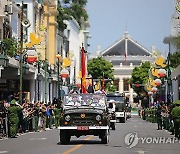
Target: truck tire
x=113 y=126
x=123 y=120
x=64 y=138
x=105 y=137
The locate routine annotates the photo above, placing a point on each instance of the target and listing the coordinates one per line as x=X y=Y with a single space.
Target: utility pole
x=58 y=78
x=46 y=54
x=21 y=56
x=169 y=81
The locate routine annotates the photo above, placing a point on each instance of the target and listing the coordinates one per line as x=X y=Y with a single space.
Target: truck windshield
x=80 y=100
x=119 y=99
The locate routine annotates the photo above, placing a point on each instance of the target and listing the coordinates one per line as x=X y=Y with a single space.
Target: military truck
x=120 y=109
x=84 y=114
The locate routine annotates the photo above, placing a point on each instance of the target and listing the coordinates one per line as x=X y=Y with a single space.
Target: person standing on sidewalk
x=159 y=117
x=57 y=112
x=176 y=118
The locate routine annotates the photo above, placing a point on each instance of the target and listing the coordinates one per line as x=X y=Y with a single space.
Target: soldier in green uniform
x=13 y=118
x=171 y=123
x=159 y=117
x=176 y=118
x=57 y=113
x=36 y=116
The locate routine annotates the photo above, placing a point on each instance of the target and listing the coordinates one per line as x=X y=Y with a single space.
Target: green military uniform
x=171 y=124
x=36 y=118
x=159 y=118
x=57 y=113
x=13 y=113
x=176 y=118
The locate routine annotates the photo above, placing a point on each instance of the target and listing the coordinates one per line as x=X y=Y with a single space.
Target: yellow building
x=50 y=15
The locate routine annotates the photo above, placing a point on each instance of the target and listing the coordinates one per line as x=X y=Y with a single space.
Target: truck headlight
x=67 y=118
x=98 y=117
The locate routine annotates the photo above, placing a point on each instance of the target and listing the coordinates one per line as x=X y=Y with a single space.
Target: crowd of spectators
x=166 y=116
x=18 y=118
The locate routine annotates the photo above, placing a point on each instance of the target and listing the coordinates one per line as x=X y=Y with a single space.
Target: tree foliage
x=99 y=66
x=9 y=46
x=175 y=59
x=76 y=9
x=140 y=75
x=64 y=14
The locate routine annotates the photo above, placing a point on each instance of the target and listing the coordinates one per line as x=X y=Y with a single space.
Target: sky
x=147 y=22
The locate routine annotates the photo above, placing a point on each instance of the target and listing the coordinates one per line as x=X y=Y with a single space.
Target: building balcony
x=50 y=2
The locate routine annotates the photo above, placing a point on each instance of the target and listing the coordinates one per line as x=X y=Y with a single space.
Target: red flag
x=83 y=70
x=102 y=84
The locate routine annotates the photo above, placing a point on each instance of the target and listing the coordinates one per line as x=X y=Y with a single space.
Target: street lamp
x=50 y=79
x=24 y=68
x=60 y=60
x=169 y=81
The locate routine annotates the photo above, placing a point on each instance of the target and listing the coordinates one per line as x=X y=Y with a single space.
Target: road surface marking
x=3 y=151
x=77 y=146
x=141 y=151
x=32 y=139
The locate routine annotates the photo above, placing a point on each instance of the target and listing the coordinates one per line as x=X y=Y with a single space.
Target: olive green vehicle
x=84 y=114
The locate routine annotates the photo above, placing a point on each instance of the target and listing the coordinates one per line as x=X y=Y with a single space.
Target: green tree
x=175 y=59
x=76 y=10
x=140 y=75
x=99 y=67
x=9 y=46
x=64 y=14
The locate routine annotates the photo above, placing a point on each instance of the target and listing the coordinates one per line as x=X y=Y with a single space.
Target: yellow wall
x=52 y=29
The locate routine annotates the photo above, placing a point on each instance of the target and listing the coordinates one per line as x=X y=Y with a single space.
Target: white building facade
x=124 y=55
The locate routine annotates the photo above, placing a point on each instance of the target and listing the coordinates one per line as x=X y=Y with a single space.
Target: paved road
x=151 y=141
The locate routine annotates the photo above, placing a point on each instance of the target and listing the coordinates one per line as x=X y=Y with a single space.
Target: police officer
x=176 y=118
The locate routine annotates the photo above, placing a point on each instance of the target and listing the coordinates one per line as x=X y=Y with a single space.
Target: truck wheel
x=113 y=126
x=105 y=137
x=123 y=120
x=64 y=138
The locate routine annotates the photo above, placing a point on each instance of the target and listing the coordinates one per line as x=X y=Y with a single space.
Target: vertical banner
x=102 y=83
x=83 y=70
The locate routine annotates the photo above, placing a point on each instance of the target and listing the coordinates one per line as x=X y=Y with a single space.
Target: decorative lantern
x=154 y=89
x=31 y=59
x=31 y=55
x=158 y=82
x=64 y=73
x=162 y=73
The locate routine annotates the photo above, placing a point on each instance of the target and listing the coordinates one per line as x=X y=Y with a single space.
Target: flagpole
x=102 y=86
x=83 y=70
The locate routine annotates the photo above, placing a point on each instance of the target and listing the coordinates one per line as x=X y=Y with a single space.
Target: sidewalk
x=143 y=137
